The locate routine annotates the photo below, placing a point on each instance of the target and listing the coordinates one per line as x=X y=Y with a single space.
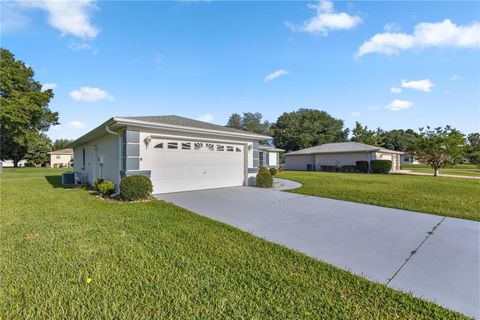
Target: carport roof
x=342 y=147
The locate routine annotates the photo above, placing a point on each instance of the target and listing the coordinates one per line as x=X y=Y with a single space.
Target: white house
x=407 y=158
x=61 y=158
x=339 y=154
x=269 y=156
x=178 y=154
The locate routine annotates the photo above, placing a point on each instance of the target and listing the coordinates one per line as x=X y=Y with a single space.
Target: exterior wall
x=9 y=163
x=298 y=162
x=101 y=159
x=272 y=159
x=408 y=159
x=340 y=159
x=60 y=160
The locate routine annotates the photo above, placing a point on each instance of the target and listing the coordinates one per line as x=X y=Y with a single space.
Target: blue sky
x=385 y=64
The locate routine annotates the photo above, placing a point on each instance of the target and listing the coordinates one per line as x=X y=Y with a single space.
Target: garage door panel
x=174 y=170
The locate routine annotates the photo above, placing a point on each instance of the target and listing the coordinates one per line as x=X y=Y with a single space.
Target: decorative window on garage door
x=159 y=145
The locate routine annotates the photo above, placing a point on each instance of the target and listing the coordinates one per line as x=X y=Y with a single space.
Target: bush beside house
x=381 y=166
x=362 y=166
x=135 y=188
x=264 y=179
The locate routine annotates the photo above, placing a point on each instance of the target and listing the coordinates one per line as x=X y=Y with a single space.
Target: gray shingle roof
x=186 y=122
x=341 y=147
x=63 y=151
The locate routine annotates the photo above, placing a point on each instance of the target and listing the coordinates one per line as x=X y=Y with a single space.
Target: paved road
x=432 y=257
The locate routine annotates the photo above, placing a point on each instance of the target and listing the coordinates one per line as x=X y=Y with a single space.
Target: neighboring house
x=269 y=156
x=9 y=163
x=178 y=154
x=61 y=158
x=339 y=154
x=407 y=158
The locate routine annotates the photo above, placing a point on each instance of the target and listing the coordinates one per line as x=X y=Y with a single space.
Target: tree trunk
x=15 y=163
x=437 y=172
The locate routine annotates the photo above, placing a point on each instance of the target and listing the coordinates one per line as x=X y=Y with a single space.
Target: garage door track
x=433 y=257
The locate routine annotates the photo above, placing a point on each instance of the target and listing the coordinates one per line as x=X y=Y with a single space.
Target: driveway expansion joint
x=414 y=251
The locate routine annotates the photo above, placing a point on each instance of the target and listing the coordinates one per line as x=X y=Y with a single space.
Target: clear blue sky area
x=385 y=64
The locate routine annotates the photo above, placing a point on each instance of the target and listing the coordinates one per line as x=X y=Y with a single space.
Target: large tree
x=60 y=144
x=399 y=139
x=439 y=147
x=362 y=134
x=473 y=148
x=252 y=122
x=307 y=128
x=24 y=107
x=38 y=147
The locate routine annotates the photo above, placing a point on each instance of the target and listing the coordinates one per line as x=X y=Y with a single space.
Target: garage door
x=194 y=165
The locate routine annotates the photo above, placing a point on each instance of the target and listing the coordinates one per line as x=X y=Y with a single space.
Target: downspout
x=119 y=158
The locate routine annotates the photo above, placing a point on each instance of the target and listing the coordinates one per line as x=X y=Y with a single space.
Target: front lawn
x=65 y=254
x=460 y=169
x=450 y=197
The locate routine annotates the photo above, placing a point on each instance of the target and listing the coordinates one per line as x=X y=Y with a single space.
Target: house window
x=159 y=146
x=83 y=157
x=58 y=156
x=198 y=146
x=260 y=158
x=220 y=147
x=237 y=149
x=230 y=148
x=172 y=145
x=406 y=159
x=210 y=146
x=186 y=146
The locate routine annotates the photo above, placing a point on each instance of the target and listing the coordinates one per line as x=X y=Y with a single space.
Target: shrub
x=329 y=168
x=96 y=183
x=348 y=168
x=264 y=180
x=381 y=166
x=273 y=171
x=263 y=169
x=135 y=188
x=106 y=188
x=362 y=166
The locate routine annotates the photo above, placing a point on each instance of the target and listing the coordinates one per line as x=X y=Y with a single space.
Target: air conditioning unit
x=72 y=178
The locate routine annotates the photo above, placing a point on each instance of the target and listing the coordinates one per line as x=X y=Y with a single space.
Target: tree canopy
x=251 y=122
x=473 y=148
x=60 y=144
x=306 y=128
x=25 y=112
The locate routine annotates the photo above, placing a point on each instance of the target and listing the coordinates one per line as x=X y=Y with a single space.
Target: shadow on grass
x=56 y=182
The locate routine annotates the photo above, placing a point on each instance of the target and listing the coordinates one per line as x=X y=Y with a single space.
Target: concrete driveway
x=433 y=257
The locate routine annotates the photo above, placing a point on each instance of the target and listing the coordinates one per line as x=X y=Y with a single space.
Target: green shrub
x=348 y=168
x=96 y=183
x=381 y=166
x=106 y=188
x=264 y=180
x=328 y=168
x=262 y=169
x=273 y=171
x=362 y=166
x=135 y=188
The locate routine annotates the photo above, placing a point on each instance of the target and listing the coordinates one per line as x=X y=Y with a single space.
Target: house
x=61 y=158
x=269 y=156
x=339 y=154
x=407 y=158
x=176 y=153
x=9 y=163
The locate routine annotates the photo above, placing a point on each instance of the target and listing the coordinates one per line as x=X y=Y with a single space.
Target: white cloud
x=425 y=35
x=355 y=114
x=326 y=19
x=76 y=125
x=455 y=77
x=207 y=117
x=391 y=27
x=47 y=86
x=395 y=90
x=397 y=105
x=375 y=108
x=275 y=75
x=70 y=17
x=89 y=94
x=421 y=85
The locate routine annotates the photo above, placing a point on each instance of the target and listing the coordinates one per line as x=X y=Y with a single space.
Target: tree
x=363 y=135
x=473 y=148
x=24 y=107
x=38 y=147
x=251 y=122
x=60 y=144
x=439 y=147
x=235 y=121
x=399 y=140
x=306 y=128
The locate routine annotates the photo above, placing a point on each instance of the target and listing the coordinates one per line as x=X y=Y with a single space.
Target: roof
x=170 y=122
x=68 y=151
x=342 y=147
x=271 y=149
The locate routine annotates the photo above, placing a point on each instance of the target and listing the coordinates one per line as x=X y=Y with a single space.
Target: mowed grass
x=154 y=260
x=452 y=197
x=461 y=169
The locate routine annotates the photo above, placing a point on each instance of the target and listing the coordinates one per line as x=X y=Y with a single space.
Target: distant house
x=61 y=158
x=339 y=154
x=408 y=158
x=9 y=163
x=269 y=156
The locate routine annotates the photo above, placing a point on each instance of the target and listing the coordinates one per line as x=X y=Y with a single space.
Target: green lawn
x=153 y=260
x=442 y=196
x=461 y=169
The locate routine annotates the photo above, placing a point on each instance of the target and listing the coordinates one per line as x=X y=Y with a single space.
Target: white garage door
x=194 y=165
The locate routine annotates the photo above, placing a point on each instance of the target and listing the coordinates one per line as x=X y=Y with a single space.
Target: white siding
x=340 y=159
x=60 y=159
x=272 y=159
x=298 y=162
